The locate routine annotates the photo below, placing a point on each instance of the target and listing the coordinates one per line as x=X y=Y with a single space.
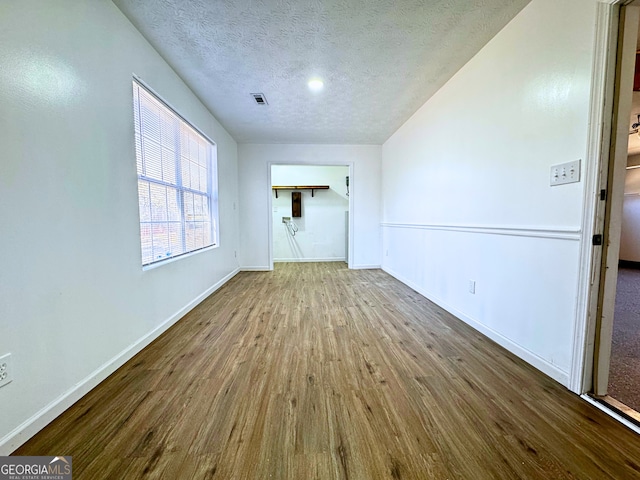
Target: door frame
x=608 y=136
x=623 y=98
x=302 y=163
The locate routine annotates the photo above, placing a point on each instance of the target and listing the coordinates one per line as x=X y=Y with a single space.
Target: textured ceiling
x=380 y=60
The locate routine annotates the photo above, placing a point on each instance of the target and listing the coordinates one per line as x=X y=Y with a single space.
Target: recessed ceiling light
x=315 y=84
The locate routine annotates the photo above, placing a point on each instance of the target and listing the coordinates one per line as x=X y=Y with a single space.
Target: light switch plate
x=6 y=370
x=565 y=173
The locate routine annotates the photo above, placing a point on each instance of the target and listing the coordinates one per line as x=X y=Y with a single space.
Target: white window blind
x=177 y=185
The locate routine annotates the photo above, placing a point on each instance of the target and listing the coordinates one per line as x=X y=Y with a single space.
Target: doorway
x=616 y=362
x=310 y=219
x=624 y=370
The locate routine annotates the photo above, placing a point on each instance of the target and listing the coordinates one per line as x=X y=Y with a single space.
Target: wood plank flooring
x=315 y=371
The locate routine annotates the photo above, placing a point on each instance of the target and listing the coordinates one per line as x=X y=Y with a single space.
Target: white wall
x=466 y=192
x=74 y=301
x=321 y=228
x=255 y=191
x=630 y=234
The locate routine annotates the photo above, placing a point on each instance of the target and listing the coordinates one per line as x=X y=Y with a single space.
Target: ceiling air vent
x=260 y=98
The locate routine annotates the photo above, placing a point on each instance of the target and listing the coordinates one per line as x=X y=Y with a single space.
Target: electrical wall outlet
x=472 y=286
x=565 y=173
x=6 y=372
x=286 y=219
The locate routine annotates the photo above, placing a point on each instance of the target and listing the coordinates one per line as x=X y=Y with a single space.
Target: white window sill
x=160 y=263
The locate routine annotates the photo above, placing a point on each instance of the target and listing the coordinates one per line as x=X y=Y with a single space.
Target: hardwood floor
x=315 y=371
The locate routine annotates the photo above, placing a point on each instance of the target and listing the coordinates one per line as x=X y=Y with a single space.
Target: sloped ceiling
x=379 y=60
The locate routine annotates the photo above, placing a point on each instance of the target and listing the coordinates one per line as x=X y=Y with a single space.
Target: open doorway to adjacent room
x=310 y=213
x=616 y=374
x=624 y=370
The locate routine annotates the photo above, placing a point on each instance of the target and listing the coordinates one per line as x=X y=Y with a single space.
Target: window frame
x=179 y=185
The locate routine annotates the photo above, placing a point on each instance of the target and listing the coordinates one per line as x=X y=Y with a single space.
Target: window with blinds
x=177 y=184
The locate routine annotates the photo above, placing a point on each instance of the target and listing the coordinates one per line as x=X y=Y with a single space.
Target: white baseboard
x=46 y=415
x=541 y=364
x=309 y=260
x=267 y=269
